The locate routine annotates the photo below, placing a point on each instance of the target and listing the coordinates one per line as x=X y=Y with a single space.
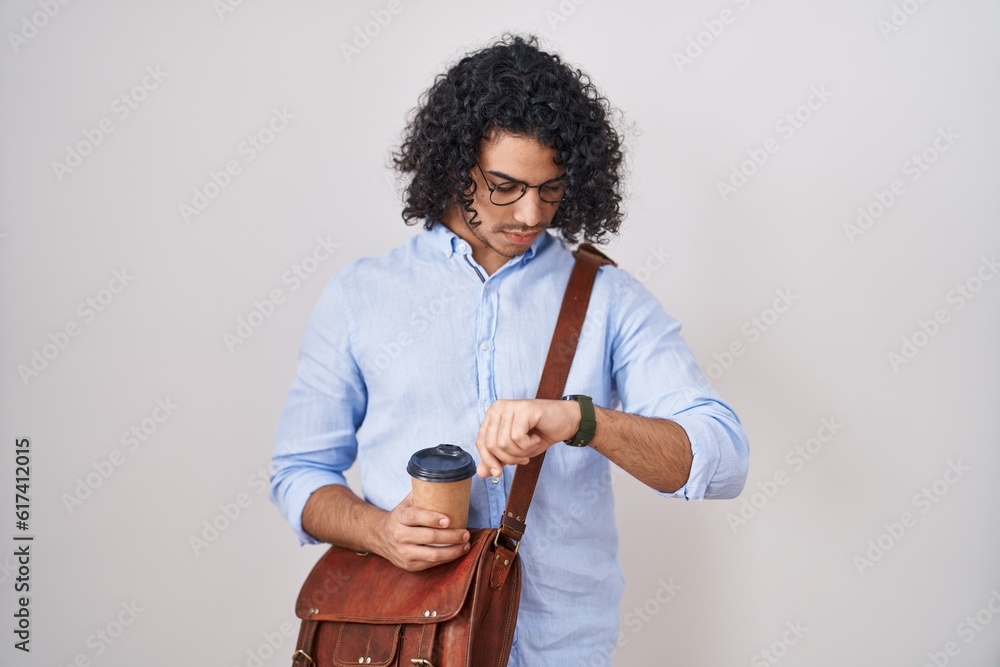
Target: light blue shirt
x=407 y=350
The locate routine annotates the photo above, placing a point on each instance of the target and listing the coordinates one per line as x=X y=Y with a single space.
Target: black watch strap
x=588 y=421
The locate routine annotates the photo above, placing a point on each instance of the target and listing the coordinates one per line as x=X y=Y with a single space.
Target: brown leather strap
x=425 y=648
x=303 y=648
x=557 y=364
x=502 y=562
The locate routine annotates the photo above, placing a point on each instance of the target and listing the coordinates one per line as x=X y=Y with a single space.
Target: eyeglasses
x=508 y=192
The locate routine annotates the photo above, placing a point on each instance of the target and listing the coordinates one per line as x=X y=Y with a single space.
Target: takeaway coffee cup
x=442 y=481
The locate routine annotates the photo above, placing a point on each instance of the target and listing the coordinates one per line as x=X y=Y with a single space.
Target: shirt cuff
x=720 y=458
x=705 y=457
x=291 y=498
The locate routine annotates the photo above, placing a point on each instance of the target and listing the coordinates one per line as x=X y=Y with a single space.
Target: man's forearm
x=403 y=536
x=335 y=514
x=655 y=451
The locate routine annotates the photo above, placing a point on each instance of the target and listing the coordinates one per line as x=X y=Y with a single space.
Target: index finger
x=415 y=516
x=489 y=464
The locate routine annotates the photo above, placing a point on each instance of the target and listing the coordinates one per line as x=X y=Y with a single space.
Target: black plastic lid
x=444 y=463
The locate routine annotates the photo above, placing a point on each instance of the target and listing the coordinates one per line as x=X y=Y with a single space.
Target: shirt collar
x=442 y=239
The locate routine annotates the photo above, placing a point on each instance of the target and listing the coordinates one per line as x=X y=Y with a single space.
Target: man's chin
x=509 y=252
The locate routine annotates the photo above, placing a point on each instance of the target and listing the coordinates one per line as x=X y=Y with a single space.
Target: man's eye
x=554 y=188
x=507 y=188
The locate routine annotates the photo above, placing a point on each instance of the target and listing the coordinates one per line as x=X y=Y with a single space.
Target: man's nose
x=529 y=210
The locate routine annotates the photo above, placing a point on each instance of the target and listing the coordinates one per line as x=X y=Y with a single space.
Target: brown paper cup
x=449 y=498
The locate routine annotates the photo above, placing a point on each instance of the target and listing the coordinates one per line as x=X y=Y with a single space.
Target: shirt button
x=495 y=480
x=485 y=346
x=486 y=287
x=462 y=247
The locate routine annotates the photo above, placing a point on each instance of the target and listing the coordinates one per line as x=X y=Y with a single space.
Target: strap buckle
x=496 y=540
x=300 y=652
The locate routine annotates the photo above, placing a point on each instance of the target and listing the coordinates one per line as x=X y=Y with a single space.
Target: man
x=443 y=340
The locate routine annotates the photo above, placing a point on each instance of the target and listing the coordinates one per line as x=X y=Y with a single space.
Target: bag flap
x=348 y=587
x=359 y=644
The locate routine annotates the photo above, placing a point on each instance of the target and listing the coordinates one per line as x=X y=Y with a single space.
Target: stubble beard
x=476 y=230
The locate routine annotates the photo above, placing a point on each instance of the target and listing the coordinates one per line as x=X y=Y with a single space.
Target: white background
x=796 y=560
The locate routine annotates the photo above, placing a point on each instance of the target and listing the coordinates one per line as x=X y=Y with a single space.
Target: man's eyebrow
x=508 y=177
x=500 y=174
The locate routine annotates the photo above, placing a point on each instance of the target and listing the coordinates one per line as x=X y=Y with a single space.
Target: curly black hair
x=515 y=87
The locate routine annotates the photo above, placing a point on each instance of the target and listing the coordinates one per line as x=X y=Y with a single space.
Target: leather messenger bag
x=360 y=609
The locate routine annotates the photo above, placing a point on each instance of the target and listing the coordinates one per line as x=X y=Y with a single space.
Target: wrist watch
x=588 y=421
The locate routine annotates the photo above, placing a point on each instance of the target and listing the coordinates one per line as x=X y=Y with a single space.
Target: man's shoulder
x=387 y=264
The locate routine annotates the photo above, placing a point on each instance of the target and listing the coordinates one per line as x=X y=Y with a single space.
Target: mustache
x=527 y=232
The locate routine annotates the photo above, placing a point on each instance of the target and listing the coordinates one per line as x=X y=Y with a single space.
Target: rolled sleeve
x=719 y=460
x=656 y=375
x=291 y=492
x=316 y=437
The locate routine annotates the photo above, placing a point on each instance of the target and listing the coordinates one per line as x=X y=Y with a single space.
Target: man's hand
x=515 y=431
x=407 y=530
